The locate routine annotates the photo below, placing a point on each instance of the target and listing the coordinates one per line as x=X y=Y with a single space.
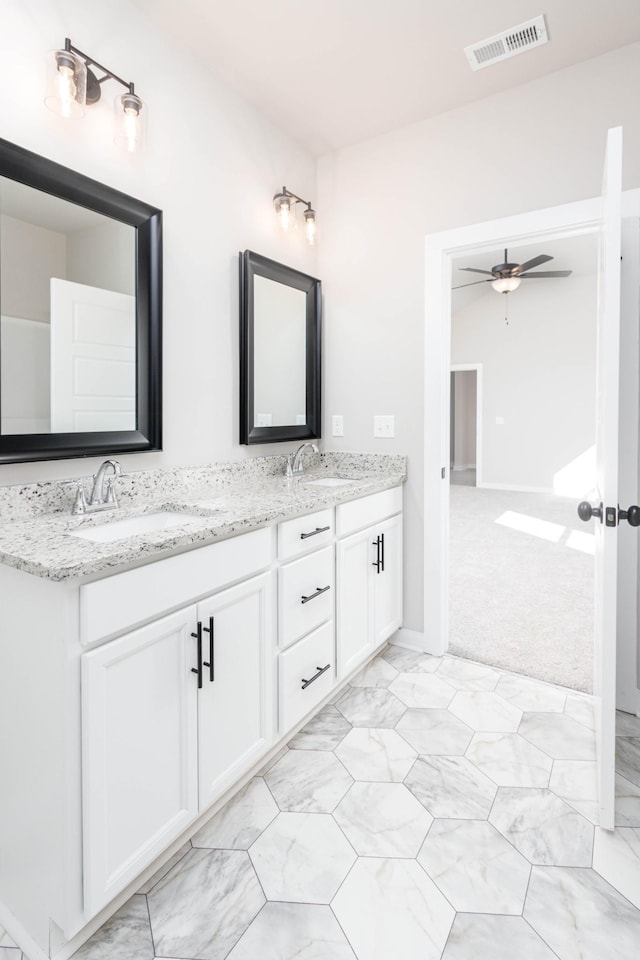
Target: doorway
x=465 y=453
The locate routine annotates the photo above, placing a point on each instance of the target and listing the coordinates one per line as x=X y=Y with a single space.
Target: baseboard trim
x=409 y=639
x=464 y=466
x=516 y=488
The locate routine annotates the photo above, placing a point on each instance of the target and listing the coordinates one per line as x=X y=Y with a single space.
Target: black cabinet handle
x=198 y=669
x=382 y=552
x=314 y=533
x=321 y=670
x=211 y=663
x=312 y=596
x=377 y=563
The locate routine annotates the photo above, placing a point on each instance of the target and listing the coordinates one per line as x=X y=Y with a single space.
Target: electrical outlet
x=337 y=425
x=384 y=426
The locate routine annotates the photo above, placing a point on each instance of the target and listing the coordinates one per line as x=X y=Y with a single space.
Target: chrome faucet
x=99 y=498
x=295 y=466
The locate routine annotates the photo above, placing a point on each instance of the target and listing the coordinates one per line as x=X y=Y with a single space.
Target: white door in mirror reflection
x=93 y=359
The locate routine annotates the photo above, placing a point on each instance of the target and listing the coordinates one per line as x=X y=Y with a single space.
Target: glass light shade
x=310 y=225
x=130 y=122
x=506 y=284
x=282 y=204
x=66 y=84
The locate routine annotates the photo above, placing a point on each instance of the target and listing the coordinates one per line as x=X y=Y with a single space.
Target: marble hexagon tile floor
x=437 y=810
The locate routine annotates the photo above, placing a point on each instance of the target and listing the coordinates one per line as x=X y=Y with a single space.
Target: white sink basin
x=149 y=522
x=328 y=482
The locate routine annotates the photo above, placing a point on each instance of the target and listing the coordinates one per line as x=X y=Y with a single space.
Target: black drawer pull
x=312 y=596
x=198 y=669
x=382 y=551
x=321 y=670
x=305 y=536
x=211 y=663
x=378 y=561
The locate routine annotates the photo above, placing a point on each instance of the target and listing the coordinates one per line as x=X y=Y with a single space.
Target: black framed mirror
x=80 y=314
x=280 y=342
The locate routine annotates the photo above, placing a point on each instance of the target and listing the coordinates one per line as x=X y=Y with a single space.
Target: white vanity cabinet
x=369 y=575
x=172 y=713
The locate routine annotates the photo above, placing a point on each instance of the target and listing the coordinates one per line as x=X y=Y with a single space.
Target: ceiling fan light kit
x=507 y=277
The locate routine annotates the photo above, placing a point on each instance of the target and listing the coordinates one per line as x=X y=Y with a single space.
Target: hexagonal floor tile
x=303 y=857
x=475 y=867
x=628 y=758
x=422 y=690
x=576 y=782
x=323 y=732
x=308 y=781
x=542 y=827
x=376 y=754
x=509 y=760
x=204 y=904
x=465 y=675
x=558 y=736
x=616 y=857
x=293 y=931
x=435 y=732
x=241 y=820
x=627 y=725
x=400 y=657
x=451 y=787
x=383 y=820
x=378 y=673
x=474 y=936
x=530 y=695
x=581 y=709
x=370 y=707
x=627 y=803
x=595 y=921
x=126 y=934
x=391 y=908
x=486 y=711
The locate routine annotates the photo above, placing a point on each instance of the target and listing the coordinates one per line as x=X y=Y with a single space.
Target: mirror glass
x=80 y=314
x=280 y=348
x=67 y=316
x=280 y=320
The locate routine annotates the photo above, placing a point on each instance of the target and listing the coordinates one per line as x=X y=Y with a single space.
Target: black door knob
x=632 y=515
x=586 y=510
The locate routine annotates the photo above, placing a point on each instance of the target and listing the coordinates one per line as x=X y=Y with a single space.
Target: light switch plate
x=264 y=420
x=337 y=425
x=500 y=421
x=384 y=426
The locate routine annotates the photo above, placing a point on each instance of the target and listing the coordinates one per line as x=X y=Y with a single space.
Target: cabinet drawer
x=304 y=534
x=305 y=595
x=361 y=513
x=113 y=605
x=301 y=684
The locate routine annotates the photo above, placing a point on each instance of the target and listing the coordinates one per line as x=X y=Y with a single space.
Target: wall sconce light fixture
x=72 y=84
x=285 y=204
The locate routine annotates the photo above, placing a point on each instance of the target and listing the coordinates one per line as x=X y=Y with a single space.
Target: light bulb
x=282 y=203
x=67 y=84
x=310 y=225
x=129 y=123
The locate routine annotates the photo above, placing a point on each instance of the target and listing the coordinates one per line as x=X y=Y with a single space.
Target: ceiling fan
x=505 y=277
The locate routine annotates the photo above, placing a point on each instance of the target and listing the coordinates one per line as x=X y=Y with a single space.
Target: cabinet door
x=355 y=556
x=139 y=776
x=234 y=708
x=387 y=583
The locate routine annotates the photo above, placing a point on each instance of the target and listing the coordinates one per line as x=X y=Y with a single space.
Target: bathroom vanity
x=143 y=678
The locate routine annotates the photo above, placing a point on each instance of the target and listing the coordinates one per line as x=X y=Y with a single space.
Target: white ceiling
x=333 y=72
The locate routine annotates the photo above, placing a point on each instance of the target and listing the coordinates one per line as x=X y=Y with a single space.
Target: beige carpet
x=521 y=592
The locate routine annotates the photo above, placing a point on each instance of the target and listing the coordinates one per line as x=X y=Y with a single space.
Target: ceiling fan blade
x=472 y=284
x=545 y=273
x=543 y=258
x=473 y=270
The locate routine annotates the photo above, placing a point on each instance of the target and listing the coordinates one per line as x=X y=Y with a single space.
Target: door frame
x=465 y=368
x=551 y=223
x=567 y=220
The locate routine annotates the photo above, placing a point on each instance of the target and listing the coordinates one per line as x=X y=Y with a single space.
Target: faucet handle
x=289 y=467
x=111 y=491
x=80 y=503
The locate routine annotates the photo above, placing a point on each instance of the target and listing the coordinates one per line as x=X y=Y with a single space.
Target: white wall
x=538 y=377
x=103 y=256
x=31 y=255
x=534 y=146
x=212 y=163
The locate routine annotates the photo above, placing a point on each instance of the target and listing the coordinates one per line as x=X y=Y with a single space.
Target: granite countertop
x=219 y=504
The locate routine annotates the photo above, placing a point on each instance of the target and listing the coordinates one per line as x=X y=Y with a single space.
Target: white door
x=606 y=529
x=139 y=776
x=355 y=556
x=234 y=709
x=93 y=359
x=387 y=581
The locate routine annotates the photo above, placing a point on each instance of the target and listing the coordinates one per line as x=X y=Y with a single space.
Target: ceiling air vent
x=507 y=44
